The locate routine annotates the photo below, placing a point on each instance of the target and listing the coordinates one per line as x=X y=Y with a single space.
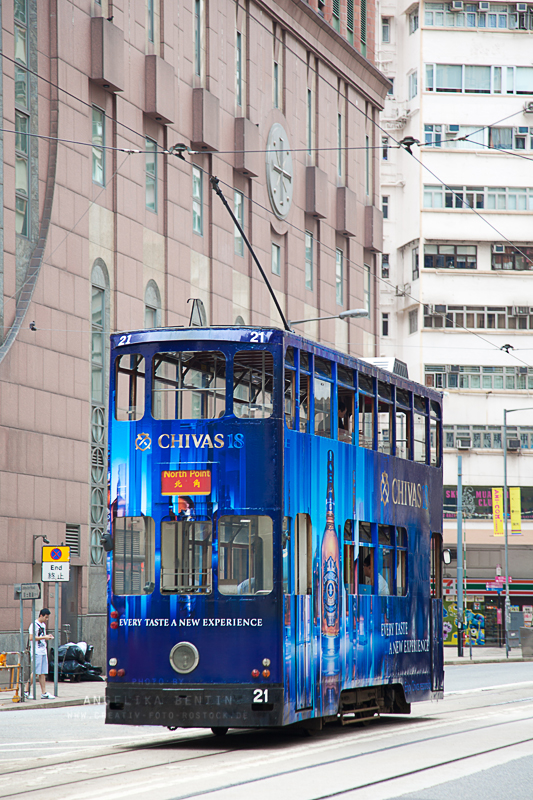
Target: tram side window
x=133 y=555
x=186 y=557
x=385 y=554
x=253 y=384
x=346 y=401
x=366 y=421
x=401 y=561
x=129 y=387
x=366 y=559
x=384 y=418
x=245 y=560
x=290 y=387
x=323 y=391
x=305 y=387
x=303 y=554
x=189 y=385
x=403 y=424
x=420 y=429
x=435 y=432
x=436 y=565
x=349 y=558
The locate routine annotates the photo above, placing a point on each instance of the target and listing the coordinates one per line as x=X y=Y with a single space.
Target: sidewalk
x=70 y=694
x=482 y=655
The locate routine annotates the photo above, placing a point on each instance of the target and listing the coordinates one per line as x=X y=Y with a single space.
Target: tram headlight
x=113 y=662
x=266 y=662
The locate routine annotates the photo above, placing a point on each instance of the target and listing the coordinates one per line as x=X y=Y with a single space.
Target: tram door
x=303 y=559
x=436 y=619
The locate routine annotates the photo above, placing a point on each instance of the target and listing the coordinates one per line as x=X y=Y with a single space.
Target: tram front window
x=189 y=385
x=245 y=555
x=186 y=557
x=253 y=384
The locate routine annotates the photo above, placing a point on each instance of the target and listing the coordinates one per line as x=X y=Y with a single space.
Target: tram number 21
x=260 y=696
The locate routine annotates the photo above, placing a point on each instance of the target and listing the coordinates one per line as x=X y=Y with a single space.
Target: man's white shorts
x=41 y=663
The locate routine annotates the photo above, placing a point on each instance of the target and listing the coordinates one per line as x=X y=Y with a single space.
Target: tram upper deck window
x=290 y=387
x=189 y=385
x=186 y=557
x=133 y=555
x=401 y=561
x=384 y=418
x=245 y=555
x=129 y=387
x=385 y=556
x=420 y=429
x=350 y=574
x=346 y=403
x=253 y=384
x=435 y=432
x=366 y=411
x=403 y=424
x=323 y=391
x=305 y=382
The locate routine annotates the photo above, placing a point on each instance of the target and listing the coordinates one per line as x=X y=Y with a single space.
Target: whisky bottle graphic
x=330 y=561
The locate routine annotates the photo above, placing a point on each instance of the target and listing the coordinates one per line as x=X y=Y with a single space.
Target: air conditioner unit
x=498 y=248
x=528 y=107
x=484 y=6
x=517 y=311
x=440 y=309
x=521 y=8
x=464 y=442
x=513 y=444
x=452 y=128
x=428 y=310
x=457 y=5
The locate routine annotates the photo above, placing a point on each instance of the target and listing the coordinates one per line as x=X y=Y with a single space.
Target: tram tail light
x=121 y=673
x=266 y=673
x=112 y=673
x=114 y=615
x=255 y=673
x=114 y=624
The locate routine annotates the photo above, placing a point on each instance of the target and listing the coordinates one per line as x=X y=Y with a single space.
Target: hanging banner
x=497 y=511
x=516 y=509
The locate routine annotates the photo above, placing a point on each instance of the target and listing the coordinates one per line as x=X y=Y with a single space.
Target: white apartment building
x=456 y=295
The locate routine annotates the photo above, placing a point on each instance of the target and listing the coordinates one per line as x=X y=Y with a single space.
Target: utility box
x=526 y=640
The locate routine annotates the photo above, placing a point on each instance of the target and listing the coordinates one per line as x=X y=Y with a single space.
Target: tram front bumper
x=219 y=705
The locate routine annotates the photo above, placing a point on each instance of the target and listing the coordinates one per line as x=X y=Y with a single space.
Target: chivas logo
x=384 y=488
x=143 y=442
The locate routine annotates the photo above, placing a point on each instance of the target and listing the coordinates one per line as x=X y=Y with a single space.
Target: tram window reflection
x=290 y=387
x=366 y=421
x=189 y=385
x=385 y=418
x=345 y=402
x=322 y=407
x=420 y=430
x=403 y=424
x=304 y=402
x=401 y=561
x=253 y=384
x=133 y=555
x=129 y=388
x=350 y=562
x=435 y=433
x=366 y=557
x=245 y=561
x=186 y=557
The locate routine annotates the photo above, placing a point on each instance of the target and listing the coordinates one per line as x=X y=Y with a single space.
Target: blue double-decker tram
x=274 y=552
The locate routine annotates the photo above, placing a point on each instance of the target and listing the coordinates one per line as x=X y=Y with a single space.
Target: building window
x=151 y=175
x=350 y=20
x=512 y=258
x=385 y=206
x=487 y=197
x=363 y=27
x=433 y=135
x=22 y=174
x=366 y=288
x=150 y=20
x=385 y=266
x=476 y=79
x=309 y=260
x=487 y=437
x=385 y=148
x=197 y=201
x=238 y=210
x=501 y=17
x=413 y=21
x=413 y=84
x=336 y=15
x=275 y=86
x=413 y=320
x=384 y=324
x=238 y=68
x=476 y=377
x=152 y=306
x=385 y=30
x=276 y=259
x=450 y=256
x=480 y=317
x=198 y=38
x=391 y=90
x=339 y=277
x=416 y=267
x=98 y=151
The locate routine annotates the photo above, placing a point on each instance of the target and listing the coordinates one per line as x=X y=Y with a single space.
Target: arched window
x=152 y=306
x=99 y=361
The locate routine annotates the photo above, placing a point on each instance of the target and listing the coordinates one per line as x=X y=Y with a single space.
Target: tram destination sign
x=185 y=481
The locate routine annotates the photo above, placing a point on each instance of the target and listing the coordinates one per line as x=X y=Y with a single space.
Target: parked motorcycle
x=74 y=663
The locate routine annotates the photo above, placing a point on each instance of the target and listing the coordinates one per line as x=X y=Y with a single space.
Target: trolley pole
x=460 y=601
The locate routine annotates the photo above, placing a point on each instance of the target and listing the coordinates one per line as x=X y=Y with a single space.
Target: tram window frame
x=265 y=371
x=435 y=571
x=286 y=540
x=141 y=554
x=266 y=559
x=303 y=554
x=385 y=418
x=403 y=409
x=366 y=549
x=435 y=434
x=350 y=560
x=322 y=410
x=289 y=393
x=346 y=400
x=420 y=455
x=304 y=407
x=197 y=581
x=131 y=382
x=401 y=562
x=209 y=400
x=385 y=560
x=366 y=408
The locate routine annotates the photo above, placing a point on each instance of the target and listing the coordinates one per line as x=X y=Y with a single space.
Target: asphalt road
x=477 y=744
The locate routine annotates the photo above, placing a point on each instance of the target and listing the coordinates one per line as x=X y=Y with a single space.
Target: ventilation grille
x=72 y=539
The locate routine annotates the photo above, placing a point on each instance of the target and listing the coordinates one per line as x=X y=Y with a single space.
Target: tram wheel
x=219 y=731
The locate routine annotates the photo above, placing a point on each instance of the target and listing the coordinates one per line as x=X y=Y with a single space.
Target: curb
x=29 y=705
x=466 y=660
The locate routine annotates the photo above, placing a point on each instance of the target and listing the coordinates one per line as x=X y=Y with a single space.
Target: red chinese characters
x=185 y=481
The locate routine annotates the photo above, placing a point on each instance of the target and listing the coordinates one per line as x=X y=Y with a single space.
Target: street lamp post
x=354 y=312
x=507 y=615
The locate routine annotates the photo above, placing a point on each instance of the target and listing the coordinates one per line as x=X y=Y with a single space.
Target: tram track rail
x=38 y=772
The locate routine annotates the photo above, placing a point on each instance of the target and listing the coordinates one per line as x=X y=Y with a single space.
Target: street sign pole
x=33 y=646
x=55 y=569
x=22 y=650
x=460 y=601
x=56 y=639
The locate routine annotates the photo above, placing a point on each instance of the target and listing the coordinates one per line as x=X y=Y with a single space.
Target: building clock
x=279 y=172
